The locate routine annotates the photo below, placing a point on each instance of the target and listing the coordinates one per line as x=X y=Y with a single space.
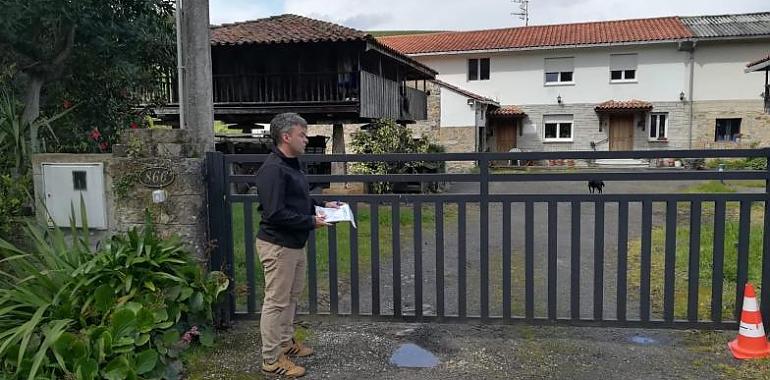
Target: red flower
x=95 y=134
x=66 y=104
x=134 y=125
x=103 y=146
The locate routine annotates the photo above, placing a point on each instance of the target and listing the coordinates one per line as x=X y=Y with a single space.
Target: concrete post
x=198 y=95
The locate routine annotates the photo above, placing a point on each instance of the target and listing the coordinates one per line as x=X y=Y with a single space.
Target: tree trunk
x=32 y=109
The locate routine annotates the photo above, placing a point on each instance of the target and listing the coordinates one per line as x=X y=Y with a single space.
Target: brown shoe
x=297 y=349
x=283 y=367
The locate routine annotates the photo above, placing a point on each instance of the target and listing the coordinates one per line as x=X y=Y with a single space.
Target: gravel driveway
x=362 y=350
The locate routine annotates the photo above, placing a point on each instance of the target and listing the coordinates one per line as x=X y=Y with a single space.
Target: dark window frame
x=479 y=69
x=730 y=129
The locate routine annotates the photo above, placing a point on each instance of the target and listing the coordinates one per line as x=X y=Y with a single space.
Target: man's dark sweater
x=285 y=203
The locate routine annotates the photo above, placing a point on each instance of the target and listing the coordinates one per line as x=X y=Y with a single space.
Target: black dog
x=595 y=185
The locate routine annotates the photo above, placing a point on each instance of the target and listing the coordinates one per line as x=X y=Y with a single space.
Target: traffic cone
x=751 y=342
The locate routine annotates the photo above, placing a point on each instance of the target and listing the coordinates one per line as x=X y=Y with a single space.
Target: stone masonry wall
x=755 y=124
x=586 y=128
x=184 y=213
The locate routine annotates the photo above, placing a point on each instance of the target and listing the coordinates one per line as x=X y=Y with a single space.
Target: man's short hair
x=282 y=123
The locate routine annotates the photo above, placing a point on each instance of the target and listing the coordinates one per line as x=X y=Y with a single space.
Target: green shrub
x=14 y=195
x=120 y=312
x=754 y=163
x=387 y=137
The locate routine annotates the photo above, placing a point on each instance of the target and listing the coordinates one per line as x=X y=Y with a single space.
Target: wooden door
x=622 y=132
x=505 y=134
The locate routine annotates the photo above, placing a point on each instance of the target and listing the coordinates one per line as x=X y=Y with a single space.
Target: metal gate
x=649 y=259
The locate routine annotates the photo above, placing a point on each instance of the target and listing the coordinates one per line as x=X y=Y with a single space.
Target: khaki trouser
x=284 y=279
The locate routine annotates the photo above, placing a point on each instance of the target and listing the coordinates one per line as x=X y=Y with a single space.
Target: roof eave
x=373 y=44
x=762 y=66
x=549 y=47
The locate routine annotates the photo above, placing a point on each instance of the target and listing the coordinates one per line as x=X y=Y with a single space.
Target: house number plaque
x=156 y=177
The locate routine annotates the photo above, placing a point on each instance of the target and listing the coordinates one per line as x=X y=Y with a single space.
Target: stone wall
x=755 y=124
x=184 y=213
x=589 y=126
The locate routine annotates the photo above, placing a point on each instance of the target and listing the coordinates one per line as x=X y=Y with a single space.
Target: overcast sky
x=471 y=14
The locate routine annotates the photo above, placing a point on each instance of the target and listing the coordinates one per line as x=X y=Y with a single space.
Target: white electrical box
x=66 y=184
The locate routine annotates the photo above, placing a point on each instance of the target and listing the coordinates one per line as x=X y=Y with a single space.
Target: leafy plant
x=15 y=132
x=67 y=311
x=385 y=137
x=14 y=194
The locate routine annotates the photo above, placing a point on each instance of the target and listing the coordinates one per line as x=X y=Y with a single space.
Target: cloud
x=366 y=21
x=226 y=11
x=469 y=15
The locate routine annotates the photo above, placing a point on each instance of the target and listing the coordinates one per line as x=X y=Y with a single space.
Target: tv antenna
x=523 y=12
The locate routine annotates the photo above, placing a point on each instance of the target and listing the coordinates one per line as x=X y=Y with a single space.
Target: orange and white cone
x=751 y=342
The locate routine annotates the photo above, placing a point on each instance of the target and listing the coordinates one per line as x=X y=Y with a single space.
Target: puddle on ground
x=413 y=356
x=640 y=339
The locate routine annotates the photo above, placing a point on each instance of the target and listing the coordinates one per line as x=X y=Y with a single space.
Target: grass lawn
x=364 y=233
x=706 y=257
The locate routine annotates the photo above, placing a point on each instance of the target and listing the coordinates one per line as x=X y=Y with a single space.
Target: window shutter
x=553 y=65
x=623 y=61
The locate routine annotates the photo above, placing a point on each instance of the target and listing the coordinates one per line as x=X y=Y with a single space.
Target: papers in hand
x=333 y=215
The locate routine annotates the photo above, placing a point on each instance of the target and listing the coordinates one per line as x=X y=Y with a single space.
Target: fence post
x=484 y=232
x=765 y=294
x=216 y=214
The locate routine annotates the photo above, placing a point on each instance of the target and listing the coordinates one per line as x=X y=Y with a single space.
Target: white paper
x=333 y=215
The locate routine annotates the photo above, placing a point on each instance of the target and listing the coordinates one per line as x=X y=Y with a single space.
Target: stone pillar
x=184 y=211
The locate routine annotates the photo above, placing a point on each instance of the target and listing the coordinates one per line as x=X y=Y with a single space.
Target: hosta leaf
x=164 y=325
x=124 y=341
x=161 y=315
x=123 y=323
x=196 y=302
x=173 y=292
x=186 y=293
x=104 y=297
x=142 y=340
x=117 y=369
x=146 y=361
x=145 y=320
x=86 y=369
x=127 y=283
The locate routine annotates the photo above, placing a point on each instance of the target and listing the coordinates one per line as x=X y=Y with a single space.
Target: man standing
x=287 y=218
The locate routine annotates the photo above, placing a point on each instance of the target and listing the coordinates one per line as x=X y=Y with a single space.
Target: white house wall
x=455 y=111
x=721 y=89
x=518 y=77
x=719 y=69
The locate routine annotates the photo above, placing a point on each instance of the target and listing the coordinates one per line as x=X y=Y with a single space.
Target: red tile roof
x=283 y=29
x=508 y=111
x=761 y=60
x=623 y=105
x=464 y=92
x=604 y=32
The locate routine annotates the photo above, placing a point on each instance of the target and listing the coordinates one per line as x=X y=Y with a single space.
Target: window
x=478 y=69
x=727 y=129
x=559 y=71
x=658 y=126
x=623 y=68
x=557 y=128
